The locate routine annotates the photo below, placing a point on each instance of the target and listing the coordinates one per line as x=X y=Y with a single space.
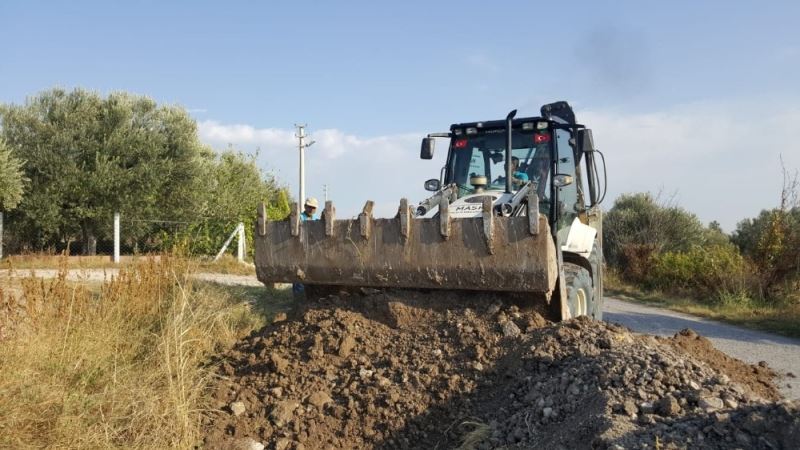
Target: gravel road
x=781 y=353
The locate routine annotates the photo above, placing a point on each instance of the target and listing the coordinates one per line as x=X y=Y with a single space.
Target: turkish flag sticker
x=541 y=138
x=461 y=143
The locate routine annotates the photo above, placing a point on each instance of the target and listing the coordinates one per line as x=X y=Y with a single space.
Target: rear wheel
x=580 y=291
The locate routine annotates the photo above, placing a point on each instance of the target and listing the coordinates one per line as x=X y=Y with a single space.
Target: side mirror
x=562 y=180
x=426 y=150
x=432 y=185
x=585 y=140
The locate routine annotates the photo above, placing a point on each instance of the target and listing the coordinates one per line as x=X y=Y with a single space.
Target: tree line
x=70 y=159
x=661 y=246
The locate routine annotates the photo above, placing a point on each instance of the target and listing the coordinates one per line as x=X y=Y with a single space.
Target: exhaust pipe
x=509 y=119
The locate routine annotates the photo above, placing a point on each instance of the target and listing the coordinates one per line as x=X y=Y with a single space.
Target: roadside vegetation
x=69 y=160
x=660 y=252
x=12 y=178
x=120 y=364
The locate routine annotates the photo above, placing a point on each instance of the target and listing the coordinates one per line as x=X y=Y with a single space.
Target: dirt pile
x=444 y=370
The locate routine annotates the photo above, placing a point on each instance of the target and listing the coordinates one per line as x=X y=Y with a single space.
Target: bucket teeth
x=365 y=219
x=328 y=216
x=488 y=223
x=533 y=212
x=441 y=252
x=294 y=219
x=444 y=217
x=405 y=217
x=261 y=223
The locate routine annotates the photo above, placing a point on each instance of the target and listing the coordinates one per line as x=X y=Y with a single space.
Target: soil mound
x=757 y=379
x=465 y=370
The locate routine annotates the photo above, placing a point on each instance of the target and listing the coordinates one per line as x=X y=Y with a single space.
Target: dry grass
x=474 y=434
x=54 y=261
x=781 y=318
x=115 y=365
x=227 y=264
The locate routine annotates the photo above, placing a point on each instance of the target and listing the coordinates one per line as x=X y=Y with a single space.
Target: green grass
x=779 y=318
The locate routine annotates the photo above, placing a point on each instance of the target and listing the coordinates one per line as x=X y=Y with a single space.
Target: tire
x=580 y=292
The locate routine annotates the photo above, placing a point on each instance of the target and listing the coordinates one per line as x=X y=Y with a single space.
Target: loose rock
x=319 y=399
x=283 y=411
x=510 y=329
x=403 y=369
x=668 y=406
x=237 y=408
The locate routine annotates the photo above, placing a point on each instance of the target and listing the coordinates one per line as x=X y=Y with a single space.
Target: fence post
x=116 y=238
x=240 y=243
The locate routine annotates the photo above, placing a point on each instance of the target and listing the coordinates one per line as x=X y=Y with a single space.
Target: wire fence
x=123 y=236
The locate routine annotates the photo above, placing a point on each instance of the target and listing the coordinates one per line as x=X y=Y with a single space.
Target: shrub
x=703 y=272
x=638 y=228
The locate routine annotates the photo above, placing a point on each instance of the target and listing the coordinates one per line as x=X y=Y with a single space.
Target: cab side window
x=568 y=198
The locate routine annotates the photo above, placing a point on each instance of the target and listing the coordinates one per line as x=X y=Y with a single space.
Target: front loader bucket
x=487 y=253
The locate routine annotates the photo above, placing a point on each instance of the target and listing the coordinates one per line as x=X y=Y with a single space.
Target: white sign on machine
x=472 y=206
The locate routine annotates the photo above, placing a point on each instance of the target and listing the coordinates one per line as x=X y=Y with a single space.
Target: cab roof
x=557 y=112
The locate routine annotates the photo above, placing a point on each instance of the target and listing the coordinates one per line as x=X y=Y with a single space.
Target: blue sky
x=676 y=91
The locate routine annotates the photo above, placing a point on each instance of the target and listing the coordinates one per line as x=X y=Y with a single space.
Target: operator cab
x=546 y=153
x=478 y=152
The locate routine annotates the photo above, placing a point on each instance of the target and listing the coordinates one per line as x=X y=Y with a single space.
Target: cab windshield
x=484 y=155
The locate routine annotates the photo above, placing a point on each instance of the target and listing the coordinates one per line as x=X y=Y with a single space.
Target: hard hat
x=312 y=202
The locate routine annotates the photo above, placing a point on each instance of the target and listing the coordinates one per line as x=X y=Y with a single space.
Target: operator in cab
x=518 y=177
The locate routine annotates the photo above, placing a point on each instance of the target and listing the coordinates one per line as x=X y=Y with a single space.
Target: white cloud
x=355 y=168
x=720 y=160
x=215 y=133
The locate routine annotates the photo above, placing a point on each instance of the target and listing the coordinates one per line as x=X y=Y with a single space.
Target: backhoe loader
x=516 y=210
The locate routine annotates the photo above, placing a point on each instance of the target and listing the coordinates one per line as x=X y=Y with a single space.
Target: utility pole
x=302 y=145
x=325 y=189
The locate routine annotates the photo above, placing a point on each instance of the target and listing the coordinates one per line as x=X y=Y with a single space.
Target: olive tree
x=88 y=156
x=12 y=179
x=235 y=187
